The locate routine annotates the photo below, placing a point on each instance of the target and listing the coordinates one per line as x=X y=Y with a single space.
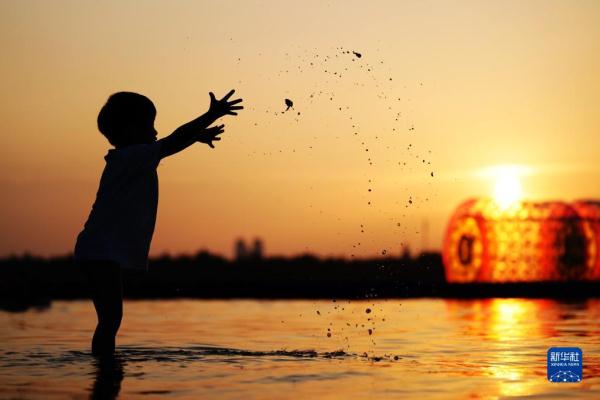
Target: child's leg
x=107 y=294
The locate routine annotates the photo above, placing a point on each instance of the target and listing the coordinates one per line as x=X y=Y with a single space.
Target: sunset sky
x=453 y=88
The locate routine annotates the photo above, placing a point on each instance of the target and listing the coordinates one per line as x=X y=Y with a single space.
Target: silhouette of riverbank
x=27 y=281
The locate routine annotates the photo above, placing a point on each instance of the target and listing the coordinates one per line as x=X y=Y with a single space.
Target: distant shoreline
x=30 y=281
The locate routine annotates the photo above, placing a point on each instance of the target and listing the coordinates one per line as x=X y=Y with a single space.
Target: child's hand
x=219 y=108
x=210 y=135
x=198 y=130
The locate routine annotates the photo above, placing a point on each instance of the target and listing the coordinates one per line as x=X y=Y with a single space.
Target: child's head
x=127 y=118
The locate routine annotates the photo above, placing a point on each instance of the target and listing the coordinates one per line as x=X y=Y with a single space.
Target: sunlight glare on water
x=425 y=348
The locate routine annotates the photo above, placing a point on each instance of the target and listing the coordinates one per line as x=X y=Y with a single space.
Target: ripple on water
x=132 y=354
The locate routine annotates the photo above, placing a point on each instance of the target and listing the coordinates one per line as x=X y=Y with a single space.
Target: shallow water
x=419 y=348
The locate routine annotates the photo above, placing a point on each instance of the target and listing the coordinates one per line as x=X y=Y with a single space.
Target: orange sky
x=482 y=83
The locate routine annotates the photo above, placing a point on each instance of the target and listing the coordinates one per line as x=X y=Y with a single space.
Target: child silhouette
x=119 y=229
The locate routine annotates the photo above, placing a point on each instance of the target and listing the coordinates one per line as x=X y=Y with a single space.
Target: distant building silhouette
x=241 y=251
x=257 y=249
x=244 y=252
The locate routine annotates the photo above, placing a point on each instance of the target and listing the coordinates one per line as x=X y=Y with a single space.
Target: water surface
x=416 y=348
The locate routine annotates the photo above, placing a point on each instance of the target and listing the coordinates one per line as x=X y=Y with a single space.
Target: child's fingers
x=235 y=102
x=212 y=96
x=236 y=107
x=215 y=139
x=216 y=128
x=228 y=95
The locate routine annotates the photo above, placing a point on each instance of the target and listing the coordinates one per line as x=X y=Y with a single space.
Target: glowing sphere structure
x=526 y=242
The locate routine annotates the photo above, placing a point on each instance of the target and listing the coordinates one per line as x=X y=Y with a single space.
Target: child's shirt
x=121 y=223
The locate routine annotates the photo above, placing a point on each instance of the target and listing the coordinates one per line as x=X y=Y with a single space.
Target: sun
x=507 y=188
x=506 y=179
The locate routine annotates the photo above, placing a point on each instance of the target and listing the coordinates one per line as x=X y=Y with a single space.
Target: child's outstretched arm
x=196 y=130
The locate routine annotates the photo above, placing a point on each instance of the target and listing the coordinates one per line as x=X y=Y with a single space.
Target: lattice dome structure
x=526 y=242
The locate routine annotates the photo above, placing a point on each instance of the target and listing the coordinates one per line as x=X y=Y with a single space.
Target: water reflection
x=511 y=321
x=109 y=375
x=503 y=320
x=517 y=334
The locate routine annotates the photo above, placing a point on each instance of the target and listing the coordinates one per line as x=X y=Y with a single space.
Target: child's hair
x=122 y=109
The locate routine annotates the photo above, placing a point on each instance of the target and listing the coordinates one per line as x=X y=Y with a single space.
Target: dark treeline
x=28 y=281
